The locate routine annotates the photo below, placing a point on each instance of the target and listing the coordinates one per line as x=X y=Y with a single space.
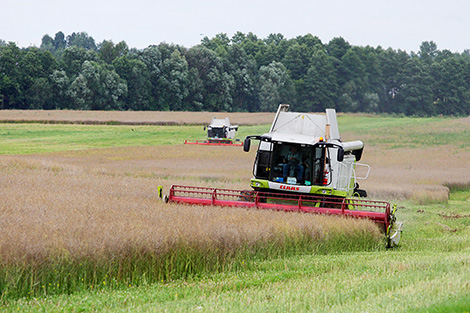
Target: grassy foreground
x=428 y=273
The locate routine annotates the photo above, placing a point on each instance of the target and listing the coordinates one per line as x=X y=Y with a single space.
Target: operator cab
x=221 y=130
x=293 y=164
x=304 y=153
x=216 y=132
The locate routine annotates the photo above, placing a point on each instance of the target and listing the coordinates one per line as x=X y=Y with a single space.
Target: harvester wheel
x=394 y=234
x=359 y=192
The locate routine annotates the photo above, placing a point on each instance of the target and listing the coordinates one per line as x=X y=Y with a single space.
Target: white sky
x=399 y=24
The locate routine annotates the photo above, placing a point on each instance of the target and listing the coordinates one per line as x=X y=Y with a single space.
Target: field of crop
x=131 y=117
x=82 y=229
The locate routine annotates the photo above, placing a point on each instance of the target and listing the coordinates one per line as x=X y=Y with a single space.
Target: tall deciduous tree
x=152 y=59
x=297 y=60
x=10 y=78
x=320 y=83
x=216 y=84
x=337 y=47
x=82 y=40
x=243 y=69
x=98 y=88
x=59 y=90
x=416 y=93
x=73 y=59
x=174 y=82
x=352 y=81
x=274 y=87
x=135 y=73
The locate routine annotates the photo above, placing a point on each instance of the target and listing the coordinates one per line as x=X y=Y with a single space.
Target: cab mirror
x=340 y=155
x=246 y=144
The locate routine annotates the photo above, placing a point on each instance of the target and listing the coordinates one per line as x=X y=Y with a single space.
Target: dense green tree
x=10 y=78
x=47 y=43
x=80 y=94
x=82 y=40
x=59 y=90
x=337 y=47
x=391 y=64
x=59 y=41
x=416 y=96
x=216 y=83
x=352 y=81
x=372 y=79
x=219 y=44
x=195 y=98
x=243 y=69
x=36 y=66
x=121 y=49
x=135 y=73
x=242 y=73
x=450 y=89
x=271 y=54
x=428 y=52
x=274 y=87
x=238 y=38
x=152 y=59
x=297 y=60
x=106 y=51
x=97 y=88
x=320 y=83
x=74 y=57
x=174 y=82
x=254 y=47
x=55 y=46
x=39 y=95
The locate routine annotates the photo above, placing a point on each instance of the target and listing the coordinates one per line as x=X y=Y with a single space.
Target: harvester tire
x=361 y=192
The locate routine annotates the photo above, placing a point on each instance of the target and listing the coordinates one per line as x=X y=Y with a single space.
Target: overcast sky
x=399 y=24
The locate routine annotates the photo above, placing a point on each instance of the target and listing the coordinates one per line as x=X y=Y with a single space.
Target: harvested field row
x=131 y=117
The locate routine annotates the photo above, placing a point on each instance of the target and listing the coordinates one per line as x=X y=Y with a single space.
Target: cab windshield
x=216 y=132
x=297 y=164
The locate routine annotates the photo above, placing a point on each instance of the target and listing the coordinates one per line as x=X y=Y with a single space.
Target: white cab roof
x=303 y=128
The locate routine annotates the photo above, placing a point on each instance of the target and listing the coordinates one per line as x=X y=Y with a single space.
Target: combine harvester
x=219 y=133
x=302 y=166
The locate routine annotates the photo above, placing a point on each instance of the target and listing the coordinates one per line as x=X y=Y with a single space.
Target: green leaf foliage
x=241 y=73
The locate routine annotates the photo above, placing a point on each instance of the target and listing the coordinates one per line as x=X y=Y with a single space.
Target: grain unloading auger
x=302 y=166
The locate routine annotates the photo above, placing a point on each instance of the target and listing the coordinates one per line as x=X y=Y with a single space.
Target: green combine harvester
x=302 y=165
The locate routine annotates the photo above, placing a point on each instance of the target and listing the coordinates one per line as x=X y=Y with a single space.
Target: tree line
x=243 y=73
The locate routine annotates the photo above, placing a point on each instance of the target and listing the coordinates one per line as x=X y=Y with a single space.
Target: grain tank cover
x=303 y=128
x=220 y=122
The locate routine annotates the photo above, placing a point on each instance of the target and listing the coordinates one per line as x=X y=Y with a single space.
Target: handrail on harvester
x=377 y=211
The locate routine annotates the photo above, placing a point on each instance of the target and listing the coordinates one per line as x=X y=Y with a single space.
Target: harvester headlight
x=257 y=184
